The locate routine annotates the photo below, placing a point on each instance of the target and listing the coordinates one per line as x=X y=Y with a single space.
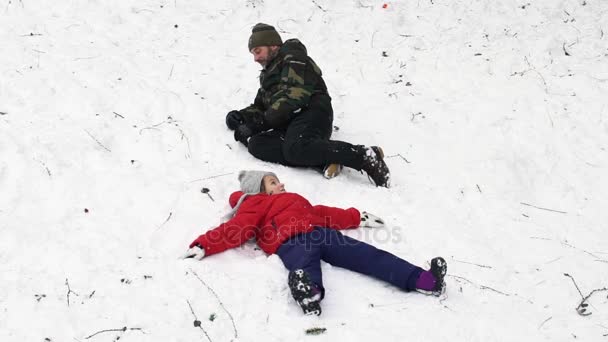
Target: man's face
x=263 y=54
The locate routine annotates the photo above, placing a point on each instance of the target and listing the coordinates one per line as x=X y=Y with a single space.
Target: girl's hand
x=370 y=220
x=195 y=252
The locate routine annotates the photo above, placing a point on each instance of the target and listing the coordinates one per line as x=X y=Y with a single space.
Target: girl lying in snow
x=302 y=235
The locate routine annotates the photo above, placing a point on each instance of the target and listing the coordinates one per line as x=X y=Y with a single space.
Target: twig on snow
x=581 y=309
x=565 y=51
x=69 y=291
x=482 y=287
x=187 y=142
x=363 y=6
x=414 y=115
x=545 y=321
x=97 y=141
x=532 y=68
x=533 y=206
x=219 y=300
x=168 y=218
x=116 y=114
x=398 y=155
x=372 y=40
x=471 y=263
x=123 y=329
x=171 y=72
x=197 y=322
x=316 y=4
x=169 y=120
x=210 y=177
x=565 y=243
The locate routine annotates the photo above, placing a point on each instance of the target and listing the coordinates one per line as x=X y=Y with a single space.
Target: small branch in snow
x=539 y=238
x=282 y=30
x=565 y=243
x=116 y=114
x=48 y=171
x=171 y=72
x=533 y=206
x=206 y=191
x=414 y=115
x=187 y=142
x=219 y=300
x=471 y=263
x=97 y=141
x=478 y=188
x=316 y=4
x=81 y=58
x=482 y=287
x=372 y=40
x=553 y=260
x=521 y=73
x=3 y=113
x=169 y=217
x=123 y=329
x=31 y=34
x=210 y=177
x=581 y=309
x=69 y=291
x=565 y=51
x=398 y=155
x=545 y=321
x=196 y=322
x=169 y=120
x=363 y=6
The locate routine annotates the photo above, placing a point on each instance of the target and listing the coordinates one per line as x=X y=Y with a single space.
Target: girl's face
x=272 y=185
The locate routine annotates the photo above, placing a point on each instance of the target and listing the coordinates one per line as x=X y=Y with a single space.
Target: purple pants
x=305 y=251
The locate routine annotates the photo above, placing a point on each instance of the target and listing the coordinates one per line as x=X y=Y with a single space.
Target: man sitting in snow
x=290 y=121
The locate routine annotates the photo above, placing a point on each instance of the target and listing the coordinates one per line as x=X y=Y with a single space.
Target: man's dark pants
x=305 y=141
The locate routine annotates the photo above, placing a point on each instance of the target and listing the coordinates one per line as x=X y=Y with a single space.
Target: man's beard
x=272 y=53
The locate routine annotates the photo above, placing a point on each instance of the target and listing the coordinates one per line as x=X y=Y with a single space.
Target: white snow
x=493 y=115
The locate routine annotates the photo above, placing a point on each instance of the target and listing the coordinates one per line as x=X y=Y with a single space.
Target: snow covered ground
x=494 y=116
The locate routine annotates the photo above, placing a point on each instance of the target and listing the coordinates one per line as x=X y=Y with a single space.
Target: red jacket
x=272 y=219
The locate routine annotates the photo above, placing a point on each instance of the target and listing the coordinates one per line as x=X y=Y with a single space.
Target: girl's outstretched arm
x=230 y=234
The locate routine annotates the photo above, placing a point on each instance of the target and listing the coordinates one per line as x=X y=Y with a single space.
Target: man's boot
x=375 y=167
x=332 y=170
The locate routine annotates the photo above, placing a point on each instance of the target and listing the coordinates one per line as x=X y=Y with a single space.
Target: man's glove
x=370 y=220
x=242 y=134
x=234 y=118
x=195 y=252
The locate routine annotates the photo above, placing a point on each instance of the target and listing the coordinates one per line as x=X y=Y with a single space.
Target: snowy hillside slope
x=493 y=114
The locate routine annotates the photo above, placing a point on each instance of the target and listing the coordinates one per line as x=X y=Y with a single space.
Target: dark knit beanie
x=264 y=35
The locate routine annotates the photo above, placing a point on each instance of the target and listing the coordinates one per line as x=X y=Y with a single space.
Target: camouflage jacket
x=287 y=85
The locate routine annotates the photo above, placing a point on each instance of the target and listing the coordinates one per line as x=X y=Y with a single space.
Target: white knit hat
x=251 y=181
x=251 y=184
